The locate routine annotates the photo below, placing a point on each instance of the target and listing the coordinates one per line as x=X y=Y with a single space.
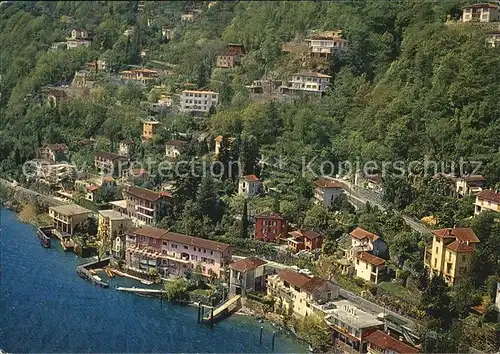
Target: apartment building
x=270 y=227
x=307 y=83
x=145 y=206
x=487 y=200
x=325 y=44
x=110 y=163
x=198 y=101
x=326 y=191
x=482 y=12
x=351 y=327
x=66 y=218
x=298 y=293
x=469 y=184
x=173 y=254
x=450 y=253
x=111 y=228
x=142 y=75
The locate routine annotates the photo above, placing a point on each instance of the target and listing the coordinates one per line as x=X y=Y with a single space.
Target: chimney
x=401 y=338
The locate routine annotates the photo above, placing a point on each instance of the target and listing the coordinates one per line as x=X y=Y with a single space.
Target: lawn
x=399 y=291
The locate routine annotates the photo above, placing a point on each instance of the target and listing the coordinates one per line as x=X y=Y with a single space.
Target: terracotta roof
x=177 y=143
x=312 y=74
x=109 y=156
x=149 y=231
x=464 y=234
x=136 y=172
x=143 y=193
x=490 y=195
x=460 y=247
x=197 y=242
x=376 y=178
x=385 y=341
x=361 y=234
x=473 y=178
x=93 y=188
x=219 y=138
x=270 y=215
x=247 y=264
x=327 y=183
x=57 y=147
x=309 y=234
x=370 y=258
x=313 y=284
x=251 y=178
x=294 y=278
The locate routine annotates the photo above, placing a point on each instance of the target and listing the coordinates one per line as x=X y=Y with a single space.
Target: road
x=19 y=189
x=362 y=195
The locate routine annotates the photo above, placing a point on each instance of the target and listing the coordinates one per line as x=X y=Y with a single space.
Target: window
x=464 y=257
x=436 y=250
x=186 y=247
x=357 y=261
x=174 y=245
x=165 y=243
x=212 y=252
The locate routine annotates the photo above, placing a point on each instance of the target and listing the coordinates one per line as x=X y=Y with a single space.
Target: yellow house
x=369 y=267
x=112 y=224
x=487 y=200
x=297 y=293
x=451 y=253
x=66 y=217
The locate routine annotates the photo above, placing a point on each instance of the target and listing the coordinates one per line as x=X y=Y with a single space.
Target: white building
x=173 y=148
x=249 y=185
x=327 y=191
x=483 y=12
x=198 y=101
x=325 y=44
x=307 y=83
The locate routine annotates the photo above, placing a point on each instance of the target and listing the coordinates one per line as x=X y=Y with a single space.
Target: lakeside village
x=336 y=264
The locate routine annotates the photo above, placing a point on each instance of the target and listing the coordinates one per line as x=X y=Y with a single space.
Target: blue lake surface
x=46 y=307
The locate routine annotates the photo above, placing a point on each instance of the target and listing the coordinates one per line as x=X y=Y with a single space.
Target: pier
x=141 y=291
x=223 y=310
x=84 y=272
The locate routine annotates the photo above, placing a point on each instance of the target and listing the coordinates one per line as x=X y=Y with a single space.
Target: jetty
x=84 y=271
x=141 y=291
x=223 y=310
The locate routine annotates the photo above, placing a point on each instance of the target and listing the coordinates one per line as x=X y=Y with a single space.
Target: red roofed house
x=270 y=227
x=327 y=191
x=145 y=206
x=362 y=239
x=173 y=254
x=380 y=342
x=54 y=152
x=300 y=294
x=451 y=253
x=247 y=275
x=249 y=185
x=369 y=267
x=110 y=163
x=483 y=12
x=487 y=200
x=304 y=240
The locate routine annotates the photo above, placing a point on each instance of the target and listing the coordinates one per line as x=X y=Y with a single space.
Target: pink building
x=172 y=254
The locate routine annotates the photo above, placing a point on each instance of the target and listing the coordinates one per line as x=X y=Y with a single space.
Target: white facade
x=481 y=13
x=327 y=196
x=172 y=151
x=198 y=101
x=326 y=46
x=307 y=82
x=249 y=187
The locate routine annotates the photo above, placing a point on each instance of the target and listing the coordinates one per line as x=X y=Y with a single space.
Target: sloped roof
x=146 y=194
x=57 y=147
x=385 y=341
x=251 y=178
x=460 y=247
x=270 y=215
x=490 y=195
x=370 y=259
x=247 y=264
x=361 y=234
x=294 y=278
x=464 y=234
x=309 y=234
x=177 y=143
x=313 y=284
x=327 y=183
x=312 y=74
x=197 y=242
x=109 y=156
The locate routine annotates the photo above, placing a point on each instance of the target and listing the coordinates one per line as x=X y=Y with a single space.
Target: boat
x=41 y=234
x=98 y=278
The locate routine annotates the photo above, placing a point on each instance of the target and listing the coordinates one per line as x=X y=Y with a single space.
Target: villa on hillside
x=326 y=191
x=109 y=162
x=79 y=37
x=54 y=152
x=66 y=218
x=307 y=83
x=149 y=128
x=326 y=43
x=142 y=75
x=450 y=253
x=482 y=12
x=304 y=240
x=173 y=148
x=249 y=185
x=487 y=199
x=198 y=101
x=230 y=56
x=270 y=227
x=174 y=254
x=247 y=275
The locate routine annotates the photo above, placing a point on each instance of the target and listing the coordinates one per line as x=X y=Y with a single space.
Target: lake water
x=46 y=307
